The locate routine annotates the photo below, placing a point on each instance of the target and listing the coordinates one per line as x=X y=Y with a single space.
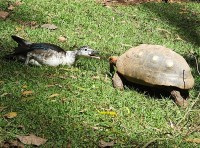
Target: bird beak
x=94 y=54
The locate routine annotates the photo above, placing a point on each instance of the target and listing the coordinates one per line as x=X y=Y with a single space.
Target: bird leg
x=27 y=60
x=179 y=100
x=28 y=57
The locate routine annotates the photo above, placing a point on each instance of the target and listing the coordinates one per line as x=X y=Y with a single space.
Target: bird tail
x=20 y=41
x=15 y=57
x=9 y=57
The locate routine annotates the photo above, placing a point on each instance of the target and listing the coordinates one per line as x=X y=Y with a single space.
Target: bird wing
x=20 y=40
x=46 y=46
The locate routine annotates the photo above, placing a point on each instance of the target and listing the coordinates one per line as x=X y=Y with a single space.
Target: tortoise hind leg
x=179 y=100
x=117 y=81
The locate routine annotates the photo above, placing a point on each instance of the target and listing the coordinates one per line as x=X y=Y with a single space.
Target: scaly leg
x=179 y=100
x=117 y=81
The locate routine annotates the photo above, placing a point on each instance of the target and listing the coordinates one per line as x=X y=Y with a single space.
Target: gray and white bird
x=46 y=53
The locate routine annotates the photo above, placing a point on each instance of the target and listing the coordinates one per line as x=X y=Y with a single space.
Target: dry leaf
x=49 y=26
x=81 y=88
x=27 y=92
x=50 y=85
x=18 y=28
x=73 y=77
x=62 y=39
x=69 y=69
x=21 y=127
x=10 y=115
x=63 y=77
x=24 y=86
x=11 y=7
x=4 y=94
x=95 y=77
x=103 y=144
x=17 y=3
x=3 y=14
x=32 y=139
x=53 y=95
x=112 y=113
x=194 y=140
x=96 y=128
x=69 y=145
x=2 y=108
x=32 y=24
x=11 y=144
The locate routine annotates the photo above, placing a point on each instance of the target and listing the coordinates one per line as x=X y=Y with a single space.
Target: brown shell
x=155 y=65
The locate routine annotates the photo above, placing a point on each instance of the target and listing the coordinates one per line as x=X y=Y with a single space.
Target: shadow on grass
x=180 y=17
x=157 y=92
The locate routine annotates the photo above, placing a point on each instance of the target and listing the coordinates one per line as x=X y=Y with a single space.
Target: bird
x=46 y=53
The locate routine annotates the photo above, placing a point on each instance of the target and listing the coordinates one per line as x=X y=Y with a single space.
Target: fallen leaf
x=103 y=144
x=18 y=28
x=32 y=140
x=53 y=95
x=2 y=108
x=62 y=39
x=194 y=140
x=83 y=110
x=11 y=7
x=50 y=85
x=10 y=115
x=21 y=127
x=69 y=145
x=24 y=86
x=95 y=77
x=27 y=92
x=17 y=3
x=183 y=12
x=73 y=77
x=49 y=26
x=69 y=69
x=96 y=127
x=112 y=113
x=11 y=144
x=81 y=88
x=3 y=14
x=32 y=24
x=63 y=77
x=4 y=94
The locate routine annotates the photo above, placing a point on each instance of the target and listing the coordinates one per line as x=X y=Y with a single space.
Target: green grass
x=85 y=89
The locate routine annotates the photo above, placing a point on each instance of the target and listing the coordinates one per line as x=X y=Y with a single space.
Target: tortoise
x=46 y=53
x=154 y=66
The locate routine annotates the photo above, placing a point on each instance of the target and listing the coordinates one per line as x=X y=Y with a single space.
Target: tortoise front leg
x=117 y=81
x=179 y=100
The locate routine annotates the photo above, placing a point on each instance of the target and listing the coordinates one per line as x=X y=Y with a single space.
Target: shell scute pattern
x=155 y=65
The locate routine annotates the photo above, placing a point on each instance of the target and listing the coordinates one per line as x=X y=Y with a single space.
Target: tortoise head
x=113 y=60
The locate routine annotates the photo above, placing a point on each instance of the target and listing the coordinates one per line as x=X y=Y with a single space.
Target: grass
x=86 y=89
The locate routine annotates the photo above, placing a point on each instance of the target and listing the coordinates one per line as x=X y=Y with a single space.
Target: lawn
x=78 y=106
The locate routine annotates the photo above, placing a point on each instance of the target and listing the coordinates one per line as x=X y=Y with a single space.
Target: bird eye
x=85 y=49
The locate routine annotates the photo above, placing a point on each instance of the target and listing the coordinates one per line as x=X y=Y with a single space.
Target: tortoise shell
x=154 y=65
